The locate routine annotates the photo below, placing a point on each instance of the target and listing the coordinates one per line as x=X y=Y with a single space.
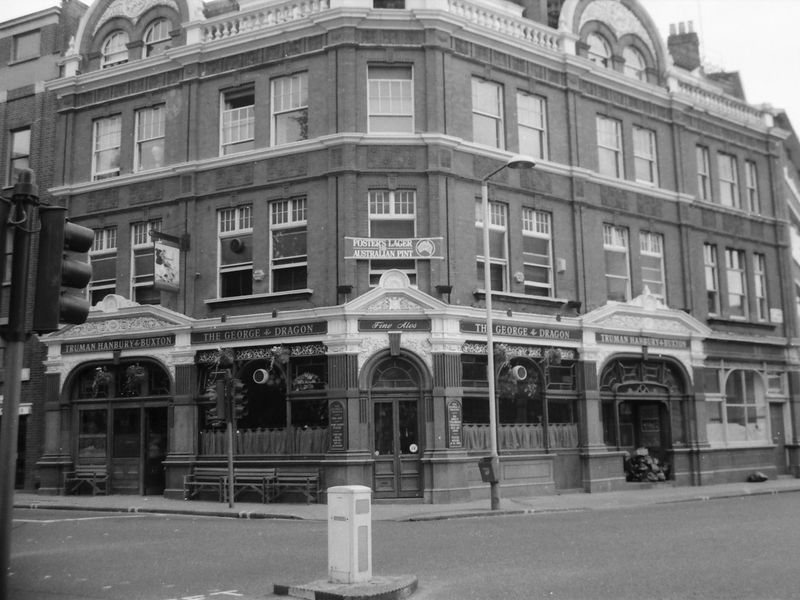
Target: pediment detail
x=393 y=294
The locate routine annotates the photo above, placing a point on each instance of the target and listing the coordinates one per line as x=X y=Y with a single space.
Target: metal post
x=23 y=216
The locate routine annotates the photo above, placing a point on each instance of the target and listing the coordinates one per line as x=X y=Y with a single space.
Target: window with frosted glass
x=290 y=108
x=106 y=144
x=390 y=102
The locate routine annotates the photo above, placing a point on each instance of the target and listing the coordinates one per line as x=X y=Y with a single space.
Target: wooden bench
x=206 y=479
x=254 y=479
x=93 y=476
x=304 y=482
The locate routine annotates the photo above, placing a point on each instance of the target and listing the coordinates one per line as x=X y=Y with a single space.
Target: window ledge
x=516 y=297
x=764 y=325
x=253 y=297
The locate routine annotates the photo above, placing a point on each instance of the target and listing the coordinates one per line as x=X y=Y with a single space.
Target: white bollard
x=349 y=534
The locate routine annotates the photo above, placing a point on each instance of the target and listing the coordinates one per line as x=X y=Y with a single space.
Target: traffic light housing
x=63 y=263
x=238 y=390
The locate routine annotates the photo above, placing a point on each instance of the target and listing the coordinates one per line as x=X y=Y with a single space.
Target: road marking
x=119 y=516
x=211 y=595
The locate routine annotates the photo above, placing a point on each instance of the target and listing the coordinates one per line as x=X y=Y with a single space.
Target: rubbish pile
x=640 y=466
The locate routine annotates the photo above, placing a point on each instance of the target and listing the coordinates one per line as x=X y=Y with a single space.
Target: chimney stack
x=684 y=45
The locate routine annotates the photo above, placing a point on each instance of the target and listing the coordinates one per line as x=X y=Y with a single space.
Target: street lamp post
x=515 y=162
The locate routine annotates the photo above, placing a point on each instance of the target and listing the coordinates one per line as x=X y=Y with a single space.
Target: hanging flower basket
x=305 y=381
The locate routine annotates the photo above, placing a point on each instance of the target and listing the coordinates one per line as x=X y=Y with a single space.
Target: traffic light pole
x=23 y=217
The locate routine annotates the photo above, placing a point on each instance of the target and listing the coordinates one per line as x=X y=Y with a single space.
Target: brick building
x=297 y=186
x=30 y=50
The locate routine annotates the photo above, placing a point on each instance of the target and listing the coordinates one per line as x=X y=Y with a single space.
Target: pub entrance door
x=396 y=429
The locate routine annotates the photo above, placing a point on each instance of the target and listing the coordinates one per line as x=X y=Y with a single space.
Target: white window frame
x=645 y=155
x=233 y=222
x=609 y=147
x=487 y=108
x=635 y=65
x=289 y=100
x=703 y=156
x=284 y=215
x=532 y=125
x=114 y=50
x=390 y=99
x=760 y=286
x=106 y=138
x=387 y=206
x=498 y=223
x=617 y=240
x=736 y=278
x=156 y=37
x=104 y=247
x=651 y=246
x=150 y=124
x=711 y=266
x=751 y=186
x=237 y=124
x=538 y=224
x=142 y=244
x=728 y=175
x=599 y=50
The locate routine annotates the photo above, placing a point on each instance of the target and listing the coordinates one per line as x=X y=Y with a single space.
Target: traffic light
x=215 y=393
x=237 y=398
x=61 y=265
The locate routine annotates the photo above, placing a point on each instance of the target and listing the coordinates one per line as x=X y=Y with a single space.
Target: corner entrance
x=396 y=429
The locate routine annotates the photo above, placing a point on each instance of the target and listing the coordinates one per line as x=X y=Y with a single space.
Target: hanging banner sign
x=393 y=248
x=167 y=265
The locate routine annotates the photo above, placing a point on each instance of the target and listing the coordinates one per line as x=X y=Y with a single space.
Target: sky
x=758 y=38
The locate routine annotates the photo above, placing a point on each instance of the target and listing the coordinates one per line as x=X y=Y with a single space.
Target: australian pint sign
x=393 y=248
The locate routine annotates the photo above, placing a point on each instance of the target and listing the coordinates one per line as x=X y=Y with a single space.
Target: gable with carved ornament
x=391 y=303
x=135 y=324
x=646 y=324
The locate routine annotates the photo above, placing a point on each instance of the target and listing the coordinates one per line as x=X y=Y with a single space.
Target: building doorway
x=396 y=429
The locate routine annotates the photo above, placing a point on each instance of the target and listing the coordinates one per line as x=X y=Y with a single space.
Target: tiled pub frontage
x=389 y=390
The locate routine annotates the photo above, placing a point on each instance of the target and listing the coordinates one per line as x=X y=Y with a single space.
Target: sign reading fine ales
x=393 y=248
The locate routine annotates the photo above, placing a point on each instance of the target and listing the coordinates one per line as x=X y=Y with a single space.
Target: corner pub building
x=297 y=185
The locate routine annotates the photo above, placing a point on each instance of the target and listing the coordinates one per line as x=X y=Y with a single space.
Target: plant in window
x=305 y=381
x=101 y=382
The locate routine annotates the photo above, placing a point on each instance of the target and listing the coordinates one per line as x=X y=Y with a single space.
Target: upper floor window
x=106 y=146
x=290 y=108
x=391 y=99
x=156 y=37
x=651 y=247
x=635 y=65
x=537 y=252
x=728 y=180
x=392 y=215
x=149 y=138
x=737 y=282
x=751 y=185
x=498 y=245
x=599 y=50
x=609 y=147
x=388 y=4
x=114 y=50
x=760 y=286
x=27 y=45
x=237 y=121
x=532 y=125
x=20 y=153
x=143 y=257
x=288 y=245
x=645 y=160
x=235 y=239
x=103 y=256
x=711 y=265
x=703 y=173
x=487 y=113
x=617 y=263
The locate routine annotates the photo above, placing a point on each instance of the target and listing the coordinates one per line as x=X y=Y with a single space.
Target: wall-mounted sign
x=261 y=332
x=394 y=325
x=523 y=330
x=454 y=439
x=393 y=248
x=642 y=340
x=336 y=426
x=142 y=343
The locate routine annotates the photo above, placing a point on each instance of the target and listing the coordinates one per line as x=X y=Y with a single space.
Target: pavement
x=402 y=586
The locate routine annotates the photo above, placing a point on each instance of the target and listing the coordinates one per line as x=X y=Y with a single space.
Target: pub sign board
x=523 y=330
x=260 y=332
x=393 y=248
x=394 y=325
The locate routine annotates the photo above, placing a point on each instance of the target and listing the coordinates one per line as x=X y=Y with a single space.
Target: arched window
x=115 y=49
x=395 y=373
x=599 y=50
x=634 y=63
x=156 y=37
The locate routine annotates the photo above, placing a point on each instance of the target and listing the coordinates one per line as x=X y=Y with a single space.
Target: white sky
x=758 y=38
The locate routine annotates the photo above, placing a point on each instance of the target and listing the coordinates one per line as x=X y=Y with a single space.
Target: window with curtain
x=235 y=243
x=149 y=138
x=107 y=139
x=498 y=246
x=288 y=250
x=390 y=102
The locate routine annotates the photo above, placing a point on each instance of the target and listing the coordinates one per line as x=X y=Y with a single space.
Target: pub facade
x=298 y=191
